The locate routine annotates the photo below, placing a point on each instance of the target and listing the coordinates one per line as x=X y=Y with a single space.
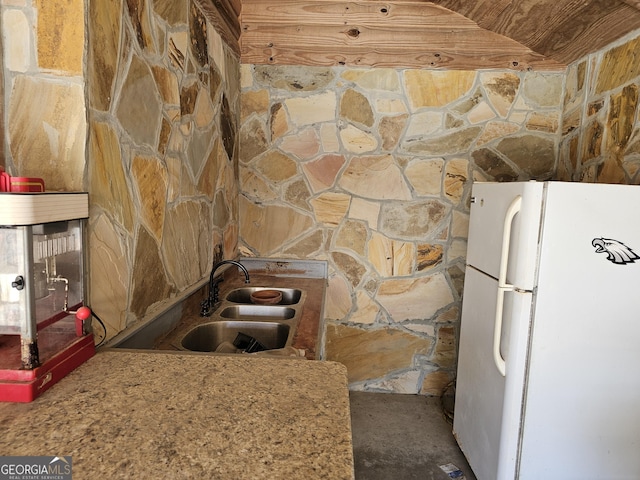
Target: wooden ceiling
x=450 y=34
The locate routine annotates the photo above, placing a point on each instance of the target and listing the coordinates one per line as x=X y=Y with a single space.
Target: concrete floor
x=402 y=437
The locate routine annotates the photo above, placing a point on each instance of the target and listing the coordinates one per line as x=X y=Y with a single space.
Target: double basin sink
x=238 y=325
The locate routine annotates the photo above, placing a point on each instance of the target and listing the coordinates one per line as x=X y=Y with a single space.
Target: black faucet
x=209 y=304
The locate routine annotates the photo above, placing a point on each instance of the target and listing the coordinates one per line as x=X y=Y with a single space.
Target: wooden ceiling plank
x=482 y=12
x=224 y=20
x=528 y=20
x=237 y=6
x=396 y=58
x=564 y=30
x=351 y=35
x=571 y=42
x=561 y=31
x=337 y=12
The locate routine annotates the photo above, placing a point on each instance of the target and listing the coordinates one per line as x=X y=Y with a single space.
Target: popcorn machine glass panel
x=13 y=306
x=57 y=278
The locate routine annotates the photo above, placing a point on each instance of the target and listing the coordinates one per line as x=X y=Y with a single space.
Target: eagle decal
x=617 y=252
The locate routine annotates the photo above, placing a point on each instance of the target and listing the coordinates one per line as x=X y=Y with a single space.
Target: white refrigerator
x=548 y=381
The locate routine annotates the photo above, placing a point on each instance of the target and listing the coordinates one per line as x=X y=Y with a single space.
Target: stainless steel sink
x=290 y=296
x=238 y=321
x=208 y=337
x=257 y=312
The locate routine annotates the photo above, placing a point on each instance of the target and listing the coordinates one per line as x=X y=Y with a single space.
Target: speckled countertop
x=171 y=415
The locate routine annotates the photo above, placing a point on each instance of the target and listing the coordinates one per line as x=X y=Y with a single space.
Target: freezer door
x=583 y=402
x=488 y=404
x=489 y=206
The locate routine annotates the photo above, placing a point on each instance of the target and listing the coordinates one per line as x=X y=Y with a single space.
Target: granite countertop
x=168 y=415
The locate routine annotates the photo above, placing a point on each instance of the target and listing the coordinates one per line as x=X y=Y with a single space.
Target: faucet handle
x=205 y=308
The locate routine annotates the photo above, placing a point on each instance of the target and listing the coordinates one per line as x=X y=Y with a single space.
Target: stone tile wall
x=44 y=105
x=163 y=99
x=601 y=130
x=161 y=92
x=2 y=140
x=371 y=170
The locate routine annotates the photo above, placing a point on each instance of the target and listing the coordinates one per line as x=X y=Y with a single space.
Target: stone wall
x=163 y=100
x=161 y=92
x=601 y=128
x=2 y=109
x=371 y=170
x=43 y=43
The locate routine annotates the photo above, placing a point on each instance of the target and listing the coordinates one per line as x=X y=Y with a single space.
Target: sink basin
x=258 y=312
x=208 y=336
x=290 y=296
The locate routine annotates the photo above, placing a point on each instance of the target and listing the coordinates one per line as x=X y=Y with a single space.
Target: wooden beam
x=236 y=5
x=330 y=12
x=541 y=34
x=381 y=36
x=375 y=33
x=389 y=58
x=222 y=16
x=376 y=48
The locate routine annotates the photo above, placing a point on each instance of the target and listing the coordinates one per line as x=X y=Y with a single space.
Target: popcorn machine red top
x=45 y=331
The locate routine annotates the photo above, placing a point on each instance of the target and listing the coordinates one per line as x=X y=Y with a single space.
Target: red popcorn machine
x=45 y=329
x=19 y=184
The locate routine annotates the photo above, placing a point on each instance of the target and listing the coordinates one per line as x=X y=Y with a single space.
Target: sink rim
x=290 y=296
x=257 y=313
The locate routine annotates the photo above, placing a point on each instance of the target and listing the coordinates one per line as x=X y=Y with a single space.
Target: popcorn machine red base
x=45 y=331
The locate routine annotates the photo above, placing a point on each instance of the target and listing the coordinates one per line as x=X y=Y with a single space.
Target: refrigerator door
x=479 y=386
x=489 y=207
x=488 y=405
x=582 y=415
x=496 y=311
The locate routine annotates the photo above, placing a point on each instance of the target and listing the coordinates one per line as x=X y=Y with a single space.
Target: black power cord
x=104 y=336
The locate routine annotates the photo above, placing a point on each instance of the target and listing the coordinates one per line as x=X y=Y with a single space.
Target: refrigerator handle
x=503 y=286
